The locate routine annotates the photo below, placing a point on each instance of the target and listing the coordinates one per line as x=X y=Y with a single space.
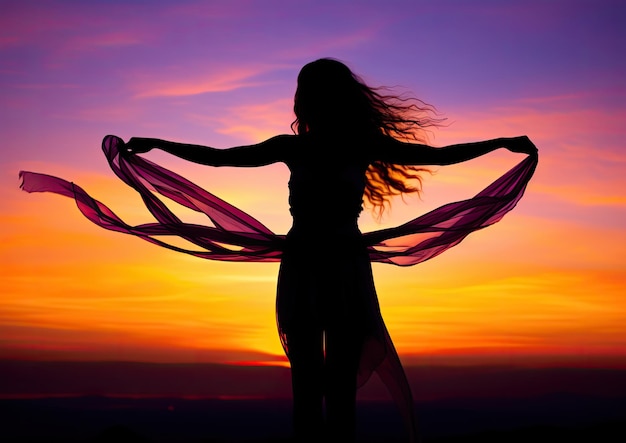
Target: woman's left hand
x=522 y=144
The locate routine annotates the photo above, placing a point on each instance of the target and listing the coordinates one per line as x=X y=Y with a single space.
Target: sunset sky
x=547 y=284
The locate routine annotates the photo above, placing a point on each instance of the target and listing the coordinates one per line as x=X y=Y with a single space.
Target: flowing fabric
x=237 y=236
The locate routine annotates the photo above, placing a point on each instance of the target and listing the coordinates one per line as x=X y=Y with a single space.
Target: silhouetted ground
x=555 y=418
x=454 y=404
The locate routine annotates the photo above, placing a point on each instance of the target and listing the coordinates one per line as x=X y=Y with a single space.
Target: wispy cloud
x=326 y=46
x=64 y=27
x=257 y=122
x=105 y=40
x=600 y=194
x=573 y=164
x=180 y=83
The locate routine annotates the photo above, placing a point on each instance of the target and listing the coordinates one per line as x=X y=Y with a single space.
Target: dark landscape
x=103 y=402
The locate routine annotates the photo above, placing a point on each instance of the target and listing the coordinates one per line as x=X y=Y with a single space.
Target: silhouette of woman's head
x=330 y=97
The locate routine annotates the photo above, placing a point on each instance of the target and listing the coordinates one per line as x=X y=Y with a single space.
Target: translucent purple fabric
x=237 y=236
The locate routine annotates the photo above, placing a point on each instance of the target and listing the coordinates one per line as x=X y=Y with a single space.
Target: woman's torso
x=326 y=186
x=325 y=276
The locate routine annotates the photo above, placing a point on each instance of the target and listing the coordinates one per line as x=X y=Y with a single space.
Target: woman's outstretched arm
x=270 y=151
x=397 y=152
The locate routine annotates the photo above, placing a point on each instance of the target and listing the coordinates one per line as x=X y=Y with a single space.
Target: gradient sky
x=548 y=281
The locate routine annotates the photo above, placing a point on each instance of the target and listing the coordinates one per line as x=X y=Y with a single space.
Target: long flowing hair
x=330 y=98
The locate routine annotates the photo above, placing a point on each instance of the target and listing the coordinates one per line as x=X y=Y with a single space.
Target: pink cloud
x=7 y=41
x=210 y=10
x=107 y=113
x=64 y=29
x=257 y=122
x=580 y=152
x=112 y=39
x=323 y=46
x=179 y=84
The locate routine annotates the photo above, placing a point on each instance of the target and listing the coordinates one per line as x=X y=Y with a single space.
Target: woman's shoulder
x=282 y=140
x=282 y=146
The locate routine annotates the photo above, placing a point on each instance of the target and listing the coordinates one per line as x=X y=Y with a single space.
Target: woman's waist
x=330 y=224
x=310 y=230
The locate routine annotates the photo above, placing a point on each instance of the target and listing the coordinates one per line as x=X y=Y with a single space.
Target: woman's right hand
x=139 y=145
x=522 y=145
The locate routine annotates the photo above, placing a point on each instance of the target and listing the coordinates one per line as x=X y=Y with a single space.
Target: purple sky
x=72 y=67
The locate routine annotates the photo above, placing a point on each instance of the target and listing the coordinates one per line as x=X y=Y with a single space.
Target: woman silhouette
x=352 y=143
x=346 y=147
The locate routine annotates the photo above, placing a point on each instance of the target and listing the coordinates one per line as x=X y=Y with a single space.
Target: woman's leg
x=306 y=355
x=343 y=350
